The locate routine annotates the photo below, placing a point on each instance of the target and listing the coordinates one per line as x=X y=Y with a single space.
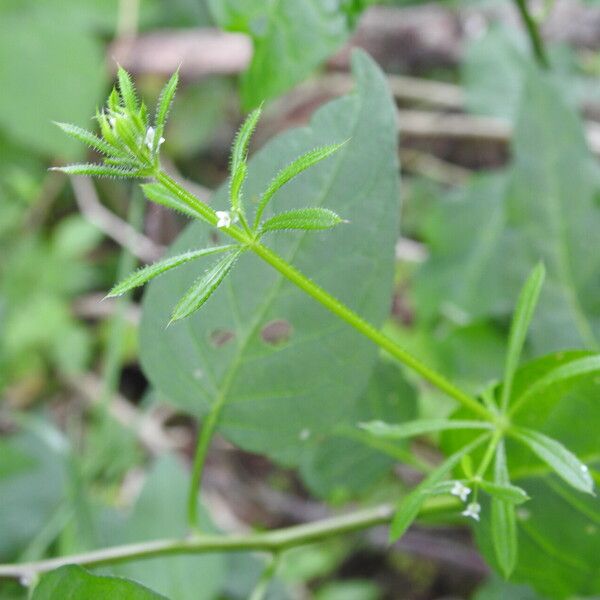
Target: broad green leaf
x=498 y=589
x=561 y=460
x=158 y=513
x=70 y=89
x=278 y=30
x=30 y=494
x=75 y=583
x=157 y=193
x=544 y=209
x=504 y=526
x=409 y=507
x=145 y=274
x=309 y=219
x=419 y=427
x=204 y=287
x=518 y=330
x=307 y=160
x=287 y=364
x=239 y=155
x=346 y=463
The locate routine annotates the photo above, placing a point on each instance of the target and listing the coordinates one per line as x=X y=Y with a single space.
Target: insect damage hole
x=220 y=337
x=276 y=332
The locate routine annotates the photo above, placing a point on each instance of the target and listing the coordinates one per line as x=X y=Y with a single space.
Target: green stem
x=535 y=38
x=207 y=214
x=272 y=542
x=368 y=330
x=262 y=587
x=207 y=431
x=489 y=453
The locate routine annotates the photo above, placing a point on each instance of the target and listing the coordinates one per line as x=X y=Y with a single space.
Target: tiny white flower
x=460 y=490
x=472 y=511
x=584 y=468
x=223 y=218
x=149 y=141
x=112 y=121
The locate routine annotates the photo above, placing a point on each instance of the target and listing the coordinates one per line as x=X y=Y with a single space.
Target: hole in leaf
x=276 y=332
x=220 y=337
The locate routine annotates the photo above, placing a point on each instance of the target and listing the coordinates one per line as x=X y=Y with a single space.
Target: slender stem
x=207 y=431
x=368 y=330
x=535 y=38
x=262 y=587
x=328 y=301
x=489 y=453
x=273 y=541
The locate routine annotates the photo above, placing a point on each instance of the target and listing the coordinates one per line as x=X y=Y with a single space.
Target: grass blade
x=204 y=287
x=96 y=170
x=239 y=156
x=145 y=274
x=504 y=525
x=420 y=427
x=310 y=158
x=87 y=137
x=526 y=304
x=127 y=90
x=308 y=219
x=555 y=455
x=164 y=105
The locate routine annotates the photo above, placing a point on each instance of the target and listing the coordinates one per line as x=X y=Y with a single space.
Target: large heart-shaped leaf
x=281 y=362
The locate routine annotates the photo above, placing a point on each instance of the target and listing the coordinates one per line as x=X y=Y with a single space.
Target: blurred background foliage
x=91 y=455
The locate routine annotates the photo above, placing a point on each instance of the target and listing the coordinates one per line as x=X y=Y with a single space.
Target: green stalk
x=533 y=32
x=272 y=542
x=325 y=299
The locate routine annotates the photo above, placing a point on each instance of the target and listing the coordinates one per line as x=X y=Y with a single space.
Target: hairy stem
x=325 y=299
x=272 y=542
x=535 y=38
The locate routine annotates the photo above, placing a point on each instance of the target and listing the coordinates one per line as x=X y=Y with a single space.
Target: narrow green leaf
x=313 y=219
x=156 y=192
x=164 y=105
x=310 y=158
x=556 y=456
x=419 y=427
x=72 y=582
x=576 y=368
x=97 y=170
x=518 y=331
x=204 y=287
x=239 y=154
x=87 y=137
x=504 y=526
x=145 y=274
x=506 y=492
x=127 y=90
x=409 y=507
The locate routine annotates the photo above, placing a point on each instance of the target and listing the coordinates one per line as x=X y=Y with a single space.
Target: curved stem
x=535 y=38
x=273 y=541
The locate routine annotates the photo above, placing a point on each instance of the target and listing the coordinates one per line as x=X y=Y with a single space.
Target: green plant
x=480 y=438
